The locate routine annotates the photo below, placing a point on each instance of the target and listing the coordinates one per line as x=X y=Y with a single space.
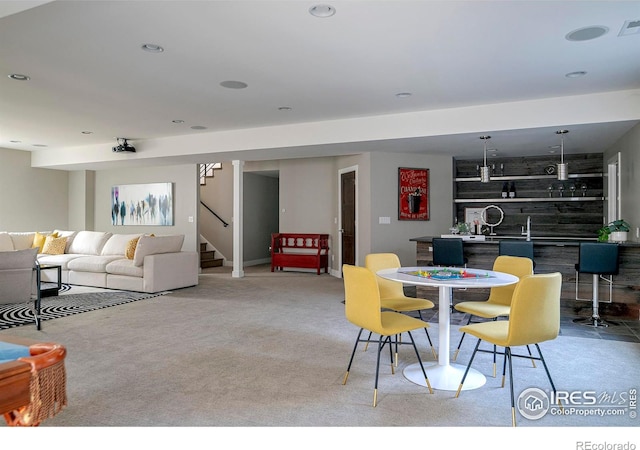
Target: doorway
x=347 y=225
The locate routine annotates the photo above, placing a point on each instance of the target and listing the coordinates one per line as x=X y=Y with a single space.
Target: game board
x=447 y=274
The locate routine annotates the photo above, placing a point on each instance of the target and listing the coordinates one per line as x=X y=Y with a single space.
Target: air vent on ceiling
x=630 y=27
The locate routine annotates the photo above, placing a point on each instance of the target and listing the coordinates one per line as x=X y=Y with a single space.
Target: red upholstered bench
x=300 y=250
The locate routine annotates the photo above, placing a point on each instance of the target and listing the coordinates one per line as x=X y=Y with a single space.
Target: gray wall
x=81 y=200
x=260 y=217
x=629 y=148
x=395 y=237
x=32 y=199
x=185 y=195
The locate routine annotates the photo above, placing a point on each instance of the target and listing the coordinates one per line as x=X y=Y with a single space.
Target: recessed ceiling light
x=587 y=33
x=15 y=142
x=19 y=77
x=152 y=48
x=178 y=121
x=198 y=127
x=87 y=132
x=403 y=94
x=577 y=74
x=40 y=145
x=285 y=108
x=322 y=11
x=230 y=84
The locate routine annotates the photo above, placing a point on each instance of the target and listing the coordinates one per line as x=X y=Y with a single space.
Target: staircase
x=207 y=171
x=207 y=257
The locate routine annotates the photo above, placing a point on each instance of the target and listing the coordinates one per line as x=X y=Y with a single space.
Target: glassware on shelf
x=550 y=190
x=561 y=190
x=584 y=189
x=572 y=188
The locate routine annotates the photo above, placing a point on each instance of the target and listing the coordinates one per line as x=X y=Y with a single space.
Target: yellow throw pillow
x=54 y=245
x=131 y=248
x=38 y=240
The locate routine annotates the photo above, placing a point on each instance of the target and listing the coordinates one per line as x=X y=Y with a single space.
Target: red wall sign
x=413 y=194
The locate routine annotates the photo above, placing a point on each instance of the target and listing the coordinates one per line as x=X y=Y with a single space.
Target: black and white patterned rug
x=18 y=314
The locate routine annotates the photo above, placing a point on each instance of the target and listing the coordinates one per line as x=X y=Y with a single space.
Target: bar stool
x=517 y=248
x=449 y=252
x=598 y=259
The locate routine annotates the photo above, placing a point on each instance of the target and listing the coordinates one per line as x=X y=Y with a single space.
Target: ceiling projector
x=123 y=146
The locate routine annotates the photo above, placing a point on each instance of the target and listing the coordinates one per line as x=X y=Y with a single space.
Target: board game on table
x=448 y=274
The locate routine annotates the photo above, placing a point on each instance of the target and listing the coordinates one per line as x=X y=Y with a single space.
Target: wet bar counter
x=555 y=255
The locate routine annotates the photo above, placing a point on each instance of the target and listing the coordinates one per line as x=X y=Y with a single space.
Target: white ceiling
x=88 y=72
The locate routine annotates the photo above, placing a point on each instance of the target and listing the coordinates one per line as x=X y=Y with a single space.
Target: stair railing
x=213 y=212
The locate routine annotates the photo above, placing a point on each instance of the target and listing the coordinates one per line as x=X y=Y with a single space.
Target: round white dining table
x=444 y=375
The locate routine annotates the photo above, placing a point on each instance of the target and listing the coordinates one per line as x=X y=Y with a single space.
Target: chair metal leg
x=426 y=379
x=455 y=355
x=507 y=352
x=375 y=387
x=433 y=350
x=473 y=355
x=346 y=375
x=388 y=340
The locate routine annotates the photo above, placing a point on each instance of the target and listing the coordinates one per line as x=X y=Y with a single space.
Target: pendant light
x=484 y=170
x=563 y=167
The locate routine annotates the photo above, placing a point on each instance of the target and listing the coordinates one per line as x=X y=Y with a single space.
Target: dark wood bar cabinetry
x=557 y=208
x=554 y=255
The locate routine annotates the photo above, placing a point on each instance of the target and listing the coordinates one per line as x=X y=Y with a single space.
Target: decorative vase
x=618 y=236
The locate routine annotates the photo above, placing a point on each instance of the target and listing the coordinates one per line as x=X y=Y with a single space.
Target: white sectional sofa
x=101 y=259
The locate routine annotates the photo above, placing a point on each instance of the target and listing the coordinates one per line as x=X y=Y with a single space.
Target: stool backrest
x=516 y=248
x=598 y=257
x=448 y=252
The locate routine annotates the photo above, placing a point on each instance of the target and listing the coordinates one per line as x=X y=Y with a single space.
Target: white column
x=238 y=261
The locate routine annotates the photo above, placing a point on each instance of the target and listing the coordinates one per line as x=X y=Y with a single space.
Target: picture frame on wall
x=413 y=194
x=142 y=204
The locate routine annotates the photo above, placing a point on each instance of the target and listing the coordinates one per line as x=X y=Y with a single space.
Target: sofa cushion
x=57 y=260
x=91 y=263
x=22 y=241
x=88 y=242
x=6 y=243
x=148 y=245
x=117 y=244
x=54 y=245
x=124 y=267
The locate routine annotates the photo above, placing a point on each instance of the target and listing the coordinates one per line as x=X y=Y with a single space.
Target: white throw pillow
x=153 y=245
x=117 y=244
x=6 y=243
x=22 y=241
x=88 y=242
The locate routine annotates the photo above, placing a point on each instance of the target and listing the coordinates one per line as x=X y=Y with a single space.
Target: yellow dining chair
x=363 y=309
x=499 y=302
x=534 y=318
x=392 y=296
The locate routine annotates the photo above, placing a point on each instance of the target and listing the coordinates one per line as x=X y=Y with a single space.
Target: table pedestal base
x=444 y=378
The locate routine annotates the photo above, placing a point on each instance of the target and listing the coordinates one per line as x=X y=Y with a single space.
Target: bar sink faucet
x=527 y=233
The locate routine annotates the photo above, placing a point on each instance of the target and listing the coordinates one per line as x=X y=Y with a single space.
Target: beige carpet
x=271 y=349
